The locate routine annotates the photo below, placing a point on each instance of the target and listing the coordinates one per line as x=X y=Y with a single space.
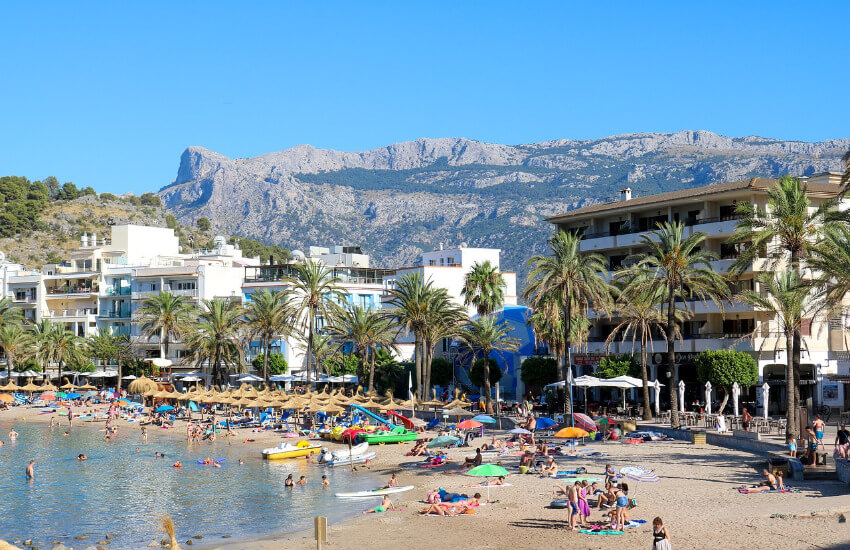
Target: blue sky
x=109 y=94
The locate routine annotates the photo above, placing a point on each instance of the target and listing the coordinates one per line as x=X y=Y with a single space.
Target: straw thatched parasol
x=47 y=386
x=10 y=386
x=87 y=386
x=142 y=385
x=30 y=387
x=67 y=386
x=331 y=409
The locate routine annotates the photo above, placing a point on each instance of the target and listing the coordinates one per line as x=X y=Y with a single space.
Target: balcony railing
x=633 y=230
x=116 y=314
x=72 y=290
x=83 y=312
x=120 y=291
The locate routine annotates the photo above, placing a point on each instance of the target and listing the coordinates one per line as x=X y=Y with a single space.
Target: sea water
x=123 y=492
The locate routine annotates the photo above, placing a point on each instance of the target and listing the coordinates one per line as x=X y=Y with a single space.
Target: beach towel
x=600 y=532
x=574 y=479
x=749 y=491
x=490 y=486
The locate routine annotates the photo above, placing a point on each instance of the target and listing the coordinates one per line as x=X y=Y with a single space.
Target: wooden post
x=321 y=531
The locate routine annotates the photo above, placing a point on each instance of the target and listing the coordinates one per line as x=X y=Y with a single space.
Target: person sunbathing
x=471 y=462
x=549 y=468
x=447 y=509
x=607 y=498
x=771 y=483
x=489 y=483
x=418 y=449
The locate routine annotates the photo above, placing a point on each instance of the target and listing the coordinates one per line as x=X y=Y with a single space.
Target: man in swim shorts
x=386 y=504
x=30 y=472
x=818 y=426
x=572 y=497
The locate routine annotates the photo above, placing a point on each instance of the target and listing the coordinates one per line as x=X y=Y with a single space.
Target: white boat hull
x=345 y=461
x=375 y=492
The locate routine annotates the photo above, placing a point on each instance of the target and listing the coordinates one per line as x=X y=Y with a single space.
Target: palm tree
x=268 y=316
x=42 y=342
x=484 y=336
x=64 y=346
x=571 y=281
x=789 y=299
x=216 y=339
x=428 y=313
x=324 y=349
x=484 y=288
x=786 y=230
x=639 y=316
x=108 y=346
x=9 y=313
x=16 y=343
x=316 y=297
x=364 y=330
x=167 y=316
x=678 y=269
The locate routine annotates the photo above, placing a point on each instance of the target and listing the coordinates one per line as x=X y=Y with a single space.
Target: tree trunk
x=417 y=365
x=371 y=360
x=120 y=373
x=488 y=407
x=309 y=345
x=566 y=367
x=792 y=426
x=266 y=348
x=725 y=400
x=9 y=367
x=647 y=410
x=163 y=344
x=792 y=378
x=426 y=366
x=795 y=358
x=671 y=357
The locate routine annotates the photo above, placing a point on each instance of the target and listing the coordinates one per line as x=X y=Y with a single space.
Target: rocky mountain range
x=399 y=200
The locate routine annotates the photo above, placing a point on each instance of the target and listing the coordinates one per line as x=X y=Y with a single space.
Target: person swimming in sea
x=13 y=435
x=325 y=481
x=82 y=456
x=30 y=471
x=289 y=482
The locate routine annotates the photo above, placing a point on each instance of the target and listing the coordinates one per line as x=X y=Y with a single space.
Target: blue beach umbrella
x=164 y=408
x=72 y=395
x=484 y=419
x=545 y=422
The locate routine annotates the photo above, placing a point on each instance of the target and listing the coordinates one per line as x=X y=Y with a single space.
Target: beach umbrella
x=67 y=386
x=521 y=431
x=488 y=470
x=457 y=412
x=605 y=421
x=443 y=441
x=571 y=433
x=545 y=422
x=6 y=398
x=469 y=425
x=11 y=386
x=142 y=385
x=72 y=395
x=638 y=473
x=30 y=387
x=48 y=397
x=87 y=386
x=584 y=422
x=163 y=408
x=485 y=419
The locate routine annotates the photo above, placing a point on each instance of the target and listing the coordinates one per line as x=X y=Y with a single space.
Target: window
x=442 y=261
x=450 y=261
x=432 y=262
x=805 y=327
x=20 y=295
x=181 y=354
x=727 y=212
x=738 y=327
x=184 y=285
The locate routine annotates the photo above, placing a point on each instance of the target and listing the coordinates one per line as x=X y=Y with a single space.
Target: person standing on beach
x=746 y=419
x=818 y=426
x=660 y=536
x=572 y=497
x=30 y=471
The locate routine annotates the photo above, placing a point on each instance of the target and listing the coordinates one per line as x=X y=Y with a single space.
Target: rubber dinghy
x=330 y=456
x=288 y=450
x=375 y=492
x=348 y=460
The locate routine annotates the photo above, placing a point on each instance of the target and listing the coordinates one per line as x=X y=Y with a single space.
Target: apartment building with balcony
x=447 y=267
x=615 y=229
x=361 y=284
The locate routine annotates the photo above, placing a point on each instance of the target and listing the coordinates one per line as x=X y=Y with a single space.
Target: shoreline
x=695 y=496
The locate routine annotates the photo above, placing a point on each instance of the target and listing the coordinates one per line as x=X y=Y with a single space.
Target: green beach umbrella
x=488 y=470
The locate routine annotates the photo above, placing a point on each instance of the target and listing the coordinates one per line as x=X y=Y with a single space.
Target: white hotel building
x=614 y=230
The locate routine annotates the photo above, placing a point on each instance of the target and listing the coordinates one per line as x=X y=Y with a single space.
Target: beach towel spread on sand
x=750 y=491
x=600 y=532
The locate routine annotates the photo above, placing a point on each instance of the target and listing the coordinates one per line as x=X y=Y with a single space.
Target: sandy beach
x=695 y=496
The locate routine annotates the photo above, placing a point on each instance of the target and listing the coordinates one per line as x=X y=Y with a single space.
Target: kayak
x=375 y=492
x=343 y=453
x=288 y=450
x=396 y=435
x=348 y=460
